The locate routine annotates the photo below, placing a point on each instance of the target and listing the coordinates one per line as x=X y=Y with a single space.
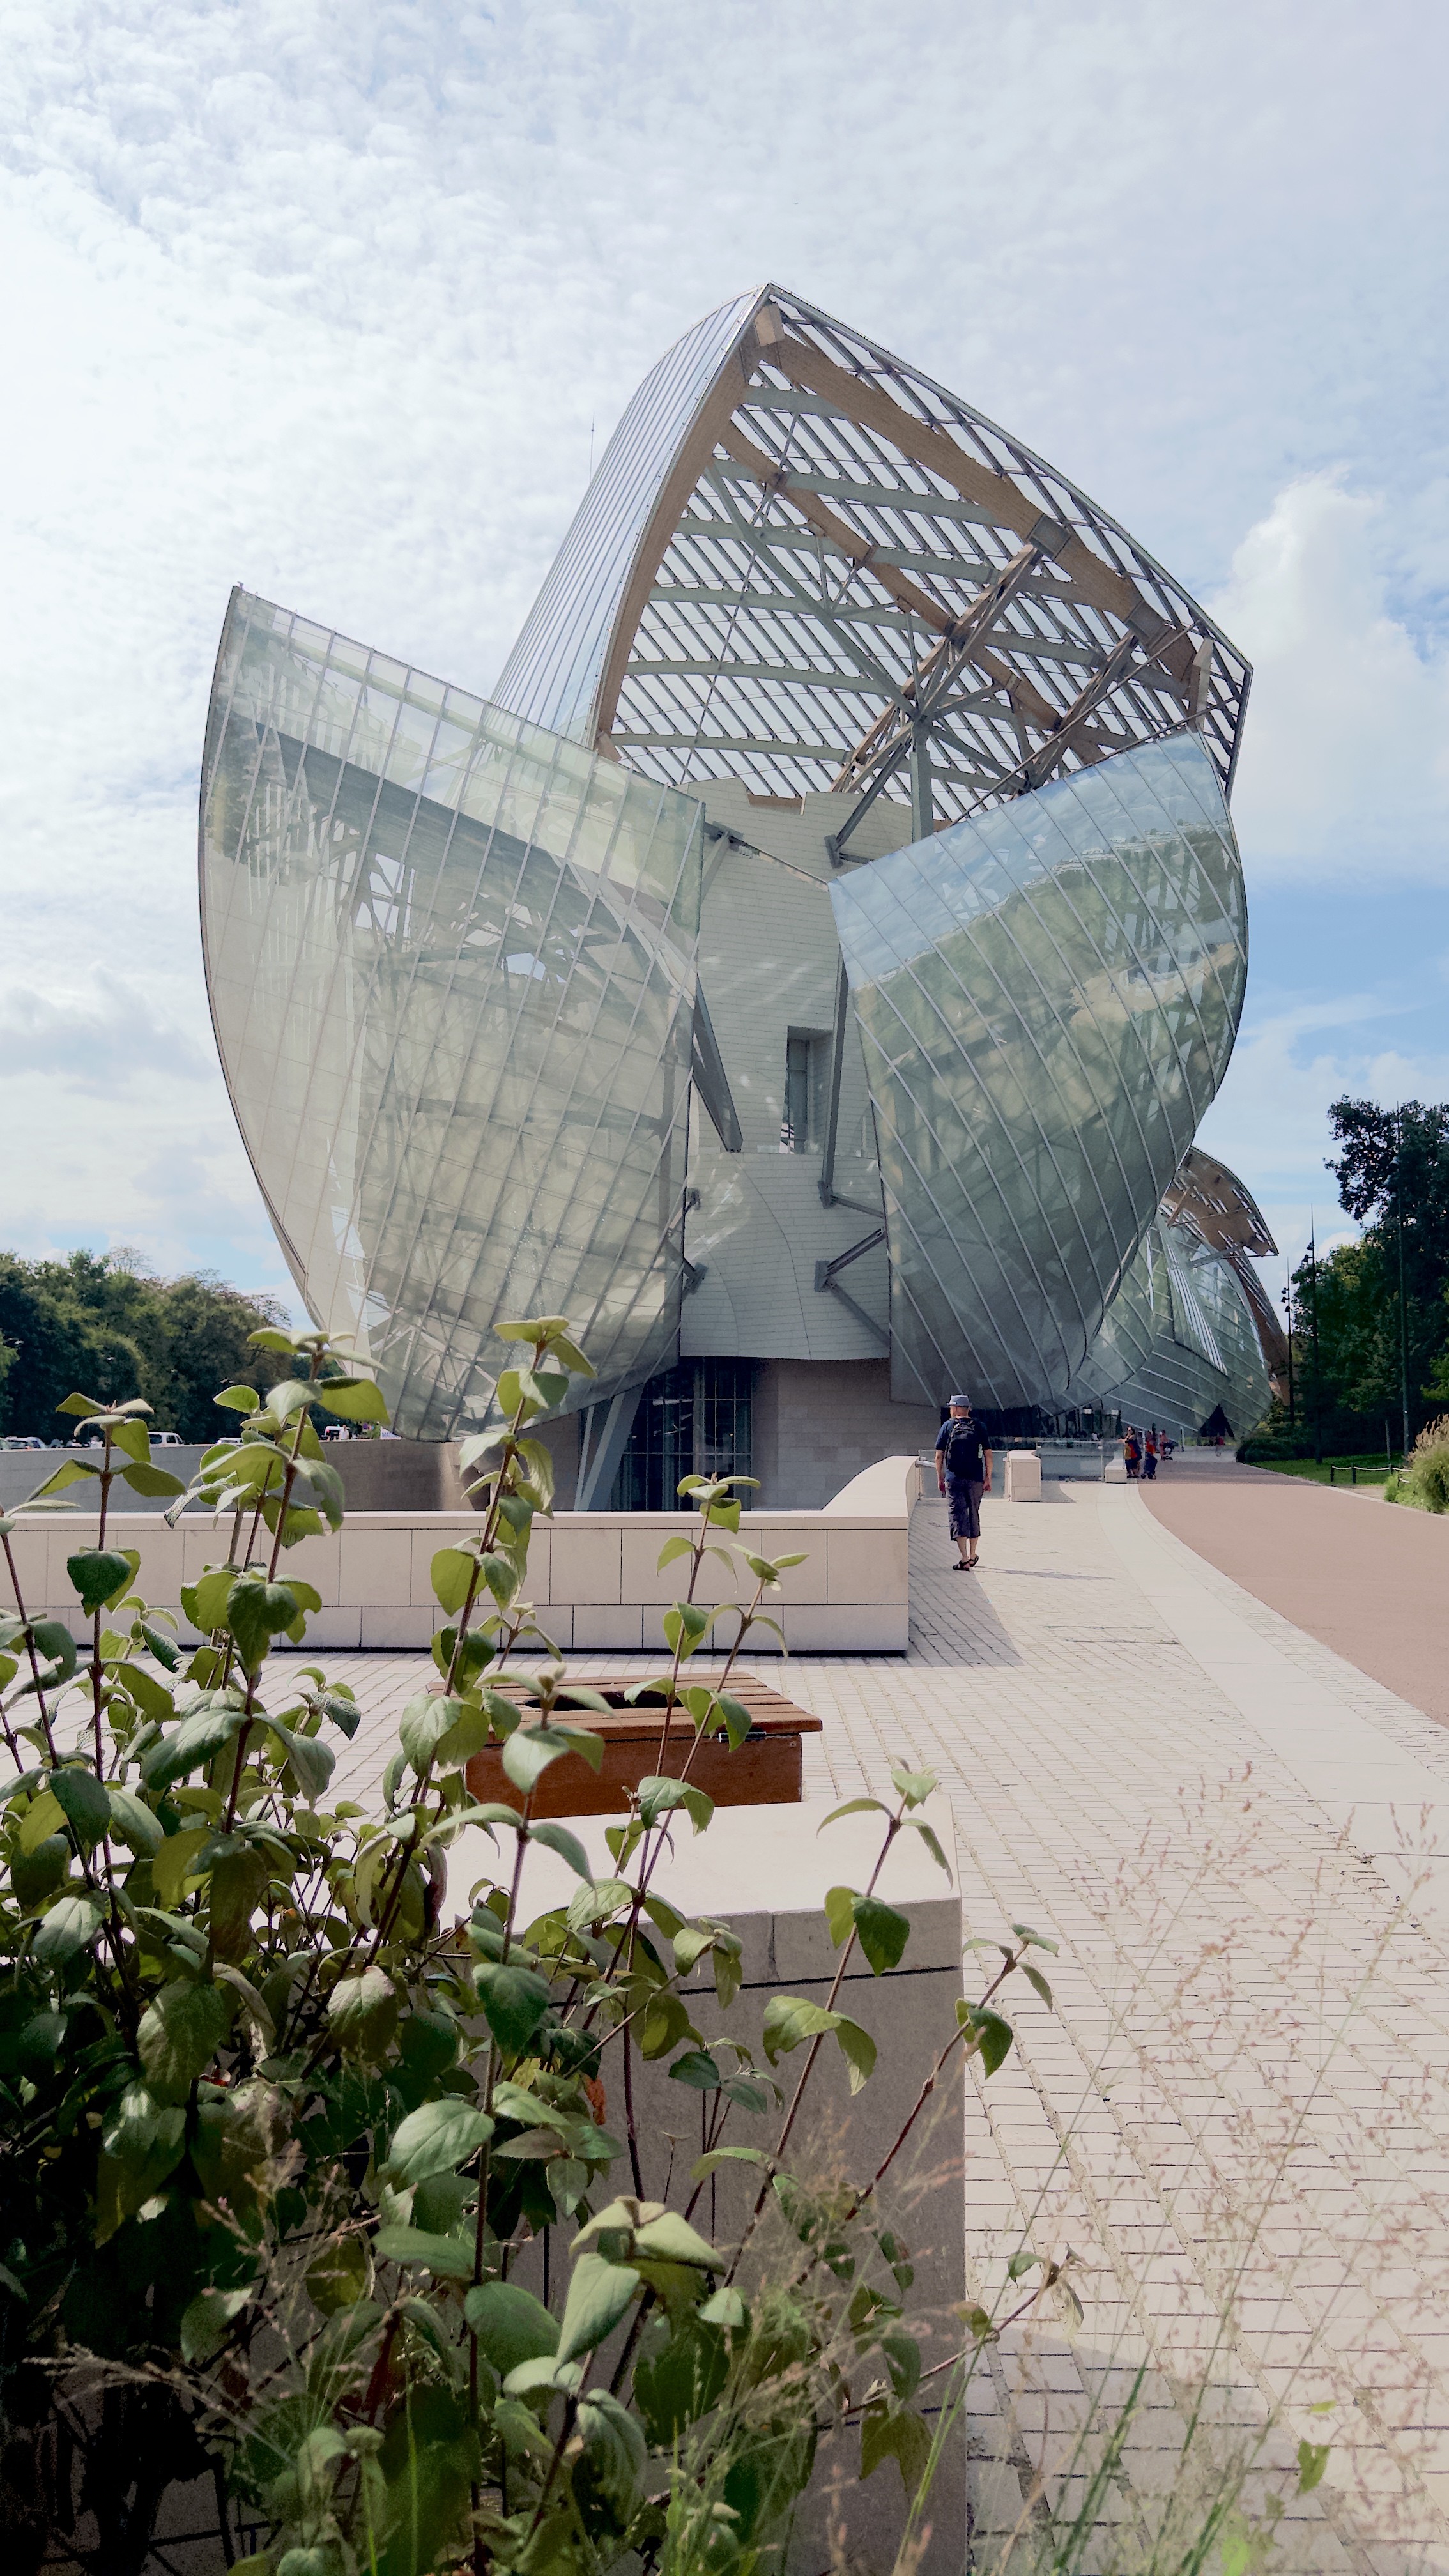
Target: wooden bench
x=764 y=1771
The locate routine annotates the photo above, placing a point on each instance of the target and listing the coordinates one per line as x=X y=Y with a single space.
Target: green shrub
x=1424 y=1480
x=273 y=2133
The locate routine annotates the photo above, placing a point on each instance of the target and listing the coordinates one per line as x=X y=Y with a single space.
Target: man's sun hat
x=963 y=1400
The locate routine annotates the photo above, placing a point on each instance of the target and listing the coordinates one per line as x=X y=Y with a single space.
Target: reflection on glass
x=1178 y=1340
x=451 y=967
x=1047 y=996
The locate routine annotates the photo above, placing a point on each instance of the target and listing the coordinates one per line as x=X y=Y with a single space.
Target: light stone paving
x=1237 y=2118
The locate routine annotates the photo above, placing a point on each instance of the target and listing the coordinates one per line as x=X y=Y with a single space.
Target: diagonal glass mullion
x=341 y=958
x=928 y=1126
x=1120 y=853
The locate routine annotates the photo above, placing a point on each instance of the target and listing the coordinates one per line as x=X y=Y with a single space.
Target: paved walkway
x=1237 y=2119
x=1374 y=1585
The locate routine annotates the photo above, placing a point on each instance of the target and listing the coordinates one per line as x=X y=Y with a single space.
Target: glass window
x=693 y=1420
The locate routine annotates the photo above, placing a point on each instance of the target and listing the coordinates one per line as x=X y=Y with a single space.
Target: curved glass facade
x=552 y=673
x=1048 y=998
x=451 y=968
x=840 y=699
x=1179 y=1342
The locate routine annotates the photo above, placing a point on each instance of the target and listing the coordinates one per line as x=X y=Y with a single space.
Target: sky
x=337 y=298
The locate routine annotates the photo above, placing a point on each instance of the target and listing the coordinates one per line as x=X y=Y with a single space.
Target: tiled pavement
x=1236 y=2116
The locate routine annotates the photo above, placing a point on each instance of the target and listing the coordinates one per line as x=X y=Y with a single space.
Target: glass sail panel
x=451 y=967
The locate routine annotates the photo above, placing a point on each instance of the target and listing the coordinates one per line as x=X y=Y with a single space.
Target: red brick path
x=1368 y=1578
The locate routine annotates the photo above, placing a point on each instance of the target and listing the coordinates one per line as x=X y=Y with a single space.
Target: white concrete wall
x=591 y=1575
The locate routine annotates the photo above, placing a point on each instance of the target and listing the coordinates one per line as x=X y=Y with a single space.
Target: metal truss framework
x=846 y=578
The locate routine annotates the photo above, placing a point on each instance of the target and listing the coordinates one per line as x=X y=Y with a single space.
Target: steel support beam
x=603 y=1438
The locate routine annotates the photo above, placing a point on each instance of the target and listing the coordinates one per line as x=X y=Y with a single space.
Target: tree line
x=103 y=1324
x=1370 y=1320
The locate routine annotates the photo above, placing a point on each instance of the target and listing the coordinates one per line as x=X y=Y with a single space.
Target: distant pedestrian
x=963 y=1472
x=1131 y=1452
x=1149 y=1457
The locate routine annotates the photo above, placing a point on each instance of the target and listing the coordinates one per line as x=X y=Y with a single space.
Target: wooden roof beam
x=1010 y=507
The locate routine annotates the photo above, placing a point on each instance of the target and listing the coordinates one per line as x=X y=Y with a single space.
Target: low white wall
x=591 y=1575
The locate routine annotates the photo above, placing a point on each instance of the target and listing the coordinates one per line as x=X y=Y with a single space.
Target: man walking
x=963 y=1472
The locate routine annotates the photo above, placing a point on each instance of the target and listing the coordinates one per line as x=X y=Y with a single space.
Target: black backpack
x=960 y=1454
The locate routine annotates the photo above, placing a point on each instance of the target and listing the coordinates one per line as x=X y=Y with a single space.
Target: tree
x=1393 y=1177
x=104 y=1323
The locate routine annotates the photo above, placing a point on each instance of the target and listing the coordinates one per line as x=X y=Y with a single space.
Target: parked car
x=335 y=1431
x=22 y=1440
x=167 y=1440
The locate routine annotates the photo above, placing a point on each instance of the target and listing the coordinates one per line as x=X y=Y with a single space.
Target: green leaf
x=789 y=2019
x=928 y=1837
x=883 y=1933
x=659 y=1797
x=857 y=2048
x=146 y=1479
x=852 y=1807
x=450 y=2256
x=258 y=1611
x=43 y=1817
x=697 y=2069
x=83 y=1797
x=437 y=2138
x=557 y=1838
x=174 y=1861
x=679 y=1545
x=914 y=1786
x=596 y=1901
x=363 y=2009
x=101 y=1575
x=424 y=1723
x=211 y=1596
x=663 y=2023
x=207 y=2320
x=70 y=1926
x=453 y=1576
x=736 y=1717
x=352 y=1399
x=514 y=2002
x=990 y=2033
x=53 y=1640
x=686 y=1625
x=464 y=1738
x=839 y=1914
x=238 y=1399
x=162 y=1646
x=670 y=2239
x=133 y=1821
x=190 y=1744
x=1035 y=1978
x=727 y=2309
x=338 y=2276
x=36 y=1875
x=511 y=2325
x=530 y=1749
x=1312 y=2461
x=151 y=1697
x=181 y=2030
x=271 y=1338
x=705 y=2165
x=311 y=1763
x=889 y=2433
x=599 y=2294
x=83 y=1405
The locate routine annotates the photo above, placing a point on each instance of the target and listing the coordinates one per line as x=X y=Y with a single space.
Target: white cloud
x=109 y=1038
x=1345 y=760
x=322 y=296
x=1270 y=1120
